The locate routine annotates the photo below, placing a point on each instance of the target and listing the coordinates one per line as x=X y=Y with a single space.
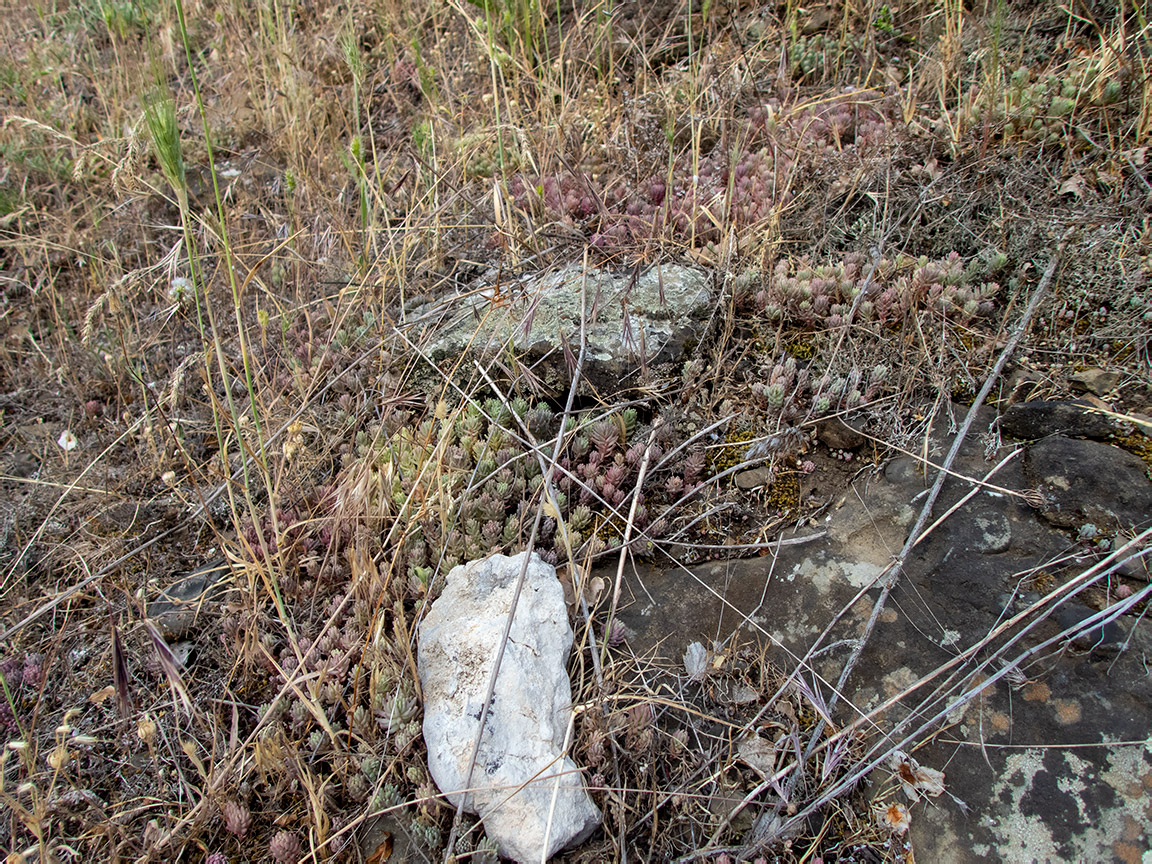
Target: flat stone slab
x=1029 y=421
x=634 y=320
x=1052 y=763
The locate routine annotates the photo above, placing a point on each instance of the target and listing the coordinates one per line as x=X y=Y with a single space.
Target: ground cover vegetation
x=217 y=220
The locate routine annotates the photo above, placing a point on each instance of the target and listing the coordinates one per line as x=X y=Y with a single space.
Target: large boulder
x=519 y=767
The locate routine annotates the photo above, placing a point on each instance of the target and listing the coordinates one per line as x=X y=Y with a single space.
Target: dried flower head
x=894 y=817
x=915 y=779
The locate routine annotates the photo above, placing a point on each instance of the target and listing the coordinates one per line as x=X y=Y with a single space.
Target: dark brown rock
x=838 y=434
x=1089 y=482
x=754 y=478
x=1029 y=421
x=1097 y=380
x=179 y=605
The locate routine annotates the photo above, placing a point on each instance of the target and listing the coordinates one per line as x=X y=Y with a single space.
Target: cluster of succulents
x=361 y=688
x=821 y=297
x=482 y=153
x=812 y=56
x=1038 y=109
x=698 y=200
x=852 y=117
x=467 y=487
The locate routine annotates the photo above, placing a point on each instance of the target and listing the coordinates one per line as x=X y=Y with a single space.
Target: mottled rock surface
x=635 y=321
x=1086 y=482
x=1052 y=764
x=519 y=766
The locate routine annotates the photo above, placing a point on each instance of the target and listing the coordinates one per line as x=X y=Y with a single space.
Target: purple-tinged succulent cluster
x=821 y=297
x=855 y=118
x=785 y=386
x=699 y=200
x=23 y=675
x=237 y=818
x=473 y=485
x=284 y=848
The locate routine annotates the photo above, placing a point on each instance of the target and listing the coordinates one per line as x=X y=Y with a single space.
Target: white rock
x=518 y=766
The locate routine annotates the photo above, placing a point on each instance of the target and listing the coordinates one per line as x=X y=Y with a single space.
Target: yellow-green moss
x=801 y=349
x=732 y=453
x=784 y=493
x=962 y=392
x=1137 y=444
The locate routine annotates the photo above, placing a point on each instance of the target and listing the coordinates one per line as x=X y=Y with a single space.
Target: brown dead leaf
x=1073 y=186
x=383 y=851
x=759 y=754
x=103 y=695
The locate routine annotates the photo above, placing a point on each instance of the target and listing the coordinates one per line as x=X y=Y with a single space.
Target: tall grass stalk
x=350 y=50
x=234 y=412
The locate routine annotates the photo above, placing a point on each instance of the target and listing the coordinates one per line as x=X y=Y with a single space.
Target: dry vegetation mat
x=238 y=455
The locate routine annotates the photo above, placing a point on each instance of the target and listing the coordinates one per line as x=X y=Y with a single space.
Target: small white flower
x=180 y=291
x=67 y=441
x=168 y=478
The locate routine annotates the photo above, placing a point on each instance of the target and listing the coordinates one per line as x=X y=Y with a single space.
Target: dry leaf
x=758 y=754
x=102 y=696
x=742 y=694
x=914 y=778
x=1073 y=186
x=120 y=672
x=383 y=851
x=595 y=588
x=696 y=662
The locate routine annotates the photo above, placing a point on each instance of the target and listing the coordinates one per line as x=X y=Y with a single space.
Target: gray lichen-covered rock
x=632 y=321
x=1053 y=765
x=519 y=765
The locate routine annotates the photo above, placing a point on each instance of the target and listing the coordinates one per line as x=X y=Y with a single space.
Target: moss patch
x=784 y=493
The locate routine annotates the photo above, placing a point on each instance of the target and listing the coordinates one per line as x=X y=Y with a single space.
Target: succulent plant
x=237 y=818
x=284 y=848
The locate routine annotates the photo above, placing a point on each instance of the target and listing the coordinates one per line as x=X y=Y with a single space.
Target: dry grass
x=218 y=237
